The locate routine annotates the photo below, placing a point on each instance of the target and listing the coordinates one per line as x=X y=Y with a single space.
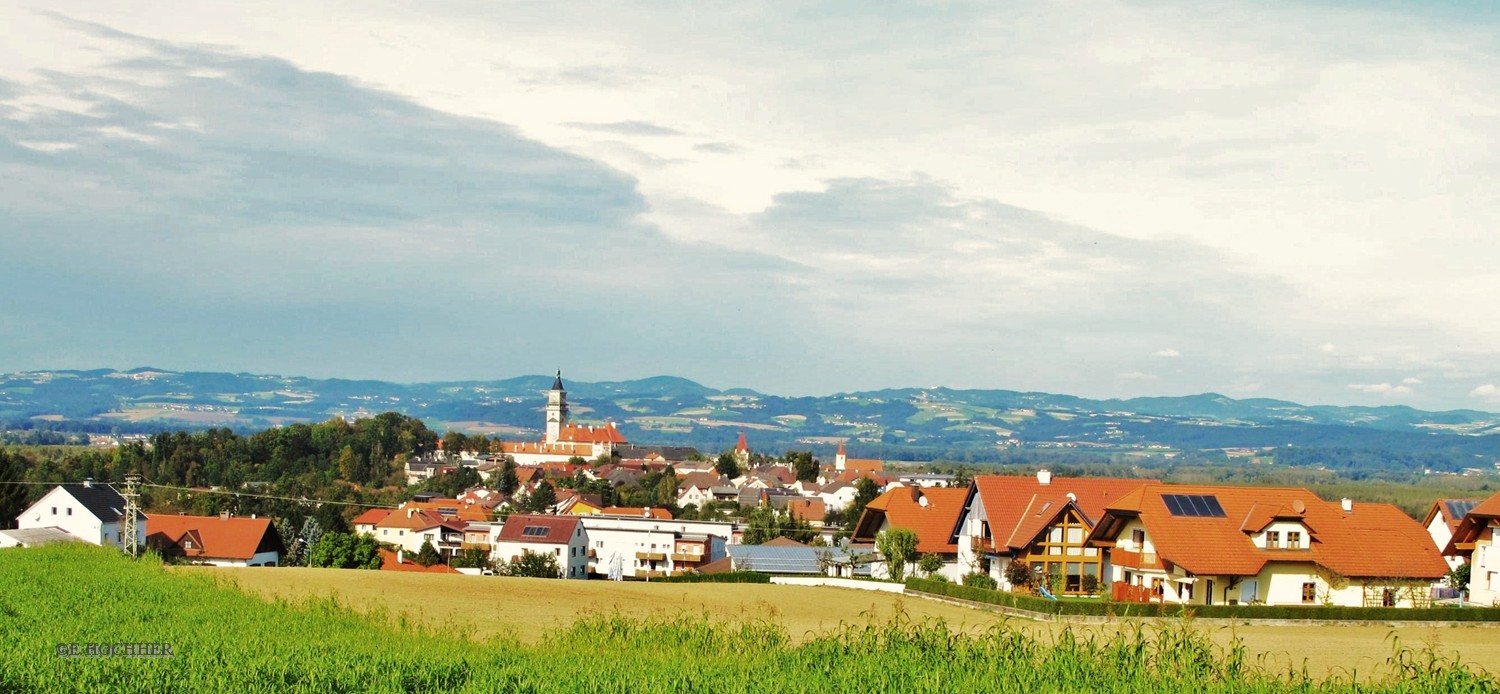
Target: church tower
x=557 y=410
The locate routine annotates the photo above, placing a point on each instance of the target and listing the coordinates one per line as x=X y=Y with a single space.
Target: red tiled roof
x=412 y=518
x=930 y=513
x=213 y=537
x=578 y=433
x=559 y=529
x=1020 y=507
x=811 y=509
x=1374 y=540
x=372 y=516
x=742 y=446
x=388 y=563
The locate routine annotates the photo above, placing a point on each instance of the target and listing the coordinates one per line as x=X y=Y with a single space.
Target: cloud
x=1380 y=388
x=1167 y=353
x=718 y=148
x=633 y=127
x=1328 y=348
x=1411 y=381
x=1488 y=392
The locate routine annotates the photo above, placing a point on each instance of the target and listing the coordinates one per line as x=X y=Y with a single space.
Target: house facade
x=929 y=513
x=1208 y=545
x=1442 y=519
x=90 y=512
x=1476 y=540
x=563 y=537
x=638 y=546
x=1041 y=521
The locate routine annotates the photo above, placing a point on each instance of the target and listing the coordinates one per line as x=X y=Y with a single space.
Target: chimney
x=399 y=554
x=223 y=515
x=410 y=512
x=88 y=482
x=1348 y=505
x=1044 y=476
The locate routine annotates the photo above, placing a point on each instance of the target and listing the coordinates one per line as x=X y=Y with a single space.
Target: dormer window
x=1293 y=540
x=1273 y=538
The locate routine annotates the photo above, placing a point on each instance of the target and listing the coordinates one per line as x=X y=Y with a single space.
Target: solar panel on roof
x=534 y=530
x=1193 y=505
x=1460 y=507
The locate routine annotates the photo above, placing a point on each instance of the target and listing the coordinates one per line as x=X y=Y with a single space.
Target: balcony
x=689 y=558
x=1134 y=560
x=978 y=545
x=642 y=573
x=651 y=556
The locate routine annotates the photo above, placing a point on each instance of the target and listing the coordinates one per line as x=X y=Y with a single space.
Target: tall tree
x=897 y=545
x=727 y=465
x=865 y=491
x=804 y=464
x=12 y=493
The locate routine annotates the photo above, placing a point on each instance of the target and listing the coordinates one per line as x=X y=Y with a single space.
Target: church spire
x=557 y=384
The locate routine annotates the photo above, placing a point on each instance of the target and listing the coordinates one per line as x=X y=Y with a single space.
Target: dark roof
x=557 y=384
x=555 y=530
x=105 y=503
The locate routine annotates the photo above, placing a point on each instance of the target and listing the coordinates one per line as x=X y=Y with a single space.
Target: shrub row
x=1105 y=608
x=726 y=577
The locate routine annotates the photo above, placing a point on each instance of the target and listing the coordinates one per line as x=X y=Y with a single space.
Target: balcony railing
x=1134 y=560
x=642 y=573
x=691 y=558
x=651 y=556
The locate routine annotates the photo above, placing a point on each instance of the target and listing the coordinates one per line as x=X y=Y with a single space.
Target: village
x=1126 y=540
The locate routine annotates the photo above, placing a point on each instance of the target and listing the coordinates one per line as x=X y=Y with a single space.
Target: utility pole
x=128 y=532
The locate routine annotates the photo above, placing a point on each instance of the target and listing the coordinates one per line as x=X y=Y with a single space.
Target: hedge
x=1106 y=608
x=726 y=577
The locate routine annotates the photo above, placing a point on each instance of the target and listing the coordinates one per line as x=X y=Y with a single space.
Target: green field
x=224 y=640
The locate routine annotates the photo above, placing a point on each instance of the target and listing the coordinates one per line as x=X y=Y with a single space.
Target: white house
x=561 y=536
x=87 y=511
x=1477 y=539
x=1208 y=545
x=1442 y=519
x=642 y=547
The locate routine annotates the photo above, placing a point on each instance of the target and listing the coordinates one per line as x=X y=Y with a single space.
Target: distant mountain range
x=904 y=423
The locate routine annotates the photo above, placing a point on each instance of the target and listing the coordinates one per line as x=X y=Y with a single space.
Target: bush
x=726 y=577
x=1103 y=608
x=979 y=580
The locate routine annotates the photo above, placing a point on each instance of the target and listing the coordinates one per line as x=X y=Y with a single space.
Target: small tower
x=742 y=452
x=557 y=410
x=840 y=459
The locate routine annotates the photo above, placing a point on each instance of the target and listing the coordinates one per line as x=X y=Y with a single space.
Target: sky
x=1105 y=199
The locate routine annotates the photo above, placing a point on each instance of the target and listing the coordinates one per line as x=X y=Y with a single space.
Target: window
x=572 y=551
x=1293 y=540
x=54 y=510
x=1388 y=597
x=1273 y=538
x=1309 y=593
x=1138 y=538
x=70 y=511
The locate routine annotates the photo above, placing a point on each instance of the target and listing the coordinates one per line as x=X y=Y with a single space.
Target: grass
x=524 y=608
x=226 y=640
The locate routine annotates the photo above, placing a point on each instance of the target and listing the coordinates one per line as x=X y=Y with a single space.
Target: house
x=1040 y=520
x=410 y=527
x=564 y=440
x=561 y=536
x=812 y=510
x=639 y=546
x=1442 y=519
x=221 y=540
x=838 y=495
x=1475 y=539
x=930 y=513
x=90 y=512
x=366 y=522
x=1207 y=545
